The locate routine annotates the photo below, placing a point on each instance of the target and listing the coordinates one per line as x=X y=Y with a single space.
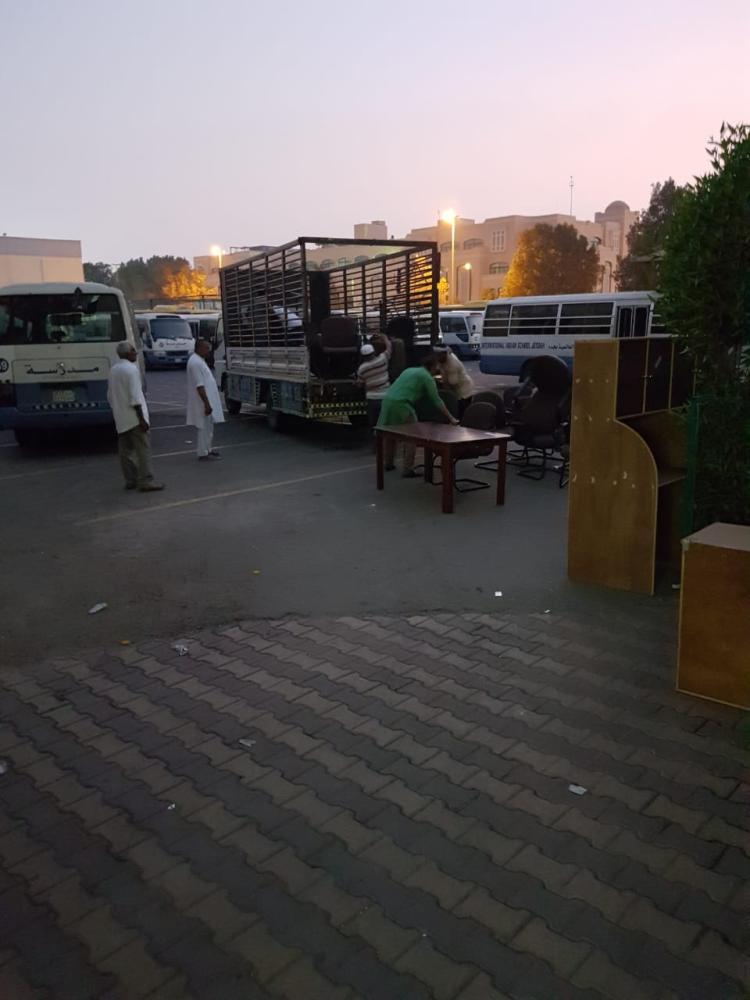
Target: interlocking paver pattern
x=397 y=824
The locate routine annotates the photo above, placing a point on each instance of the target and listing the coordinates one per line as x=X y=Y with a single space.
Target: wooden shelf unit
x=627 y=461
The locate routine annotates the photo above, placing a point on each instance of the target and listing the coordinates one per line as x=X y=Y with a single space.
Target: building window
x=498 y=268
x=445 y=247
x=343 y=261
x=328 y=262
x=360 y=259
x=471 y=244
x=498 y=240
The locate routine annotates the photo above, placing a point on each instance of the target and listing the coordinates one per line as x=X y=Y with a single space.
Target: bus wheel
x=358 y=419
x=233 y=406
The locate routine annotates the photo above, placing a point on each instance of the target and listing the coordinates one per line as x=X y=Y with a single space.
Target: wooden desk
x=451 y=443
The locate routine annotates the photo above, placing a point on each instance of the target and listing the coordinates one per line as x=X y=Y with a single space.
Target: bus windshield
x=170 y=328
x=73 y=318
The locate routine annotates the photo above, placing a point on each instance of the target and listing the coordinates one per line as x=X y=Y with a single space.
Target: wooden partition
x=713 y=660
x=627 y=461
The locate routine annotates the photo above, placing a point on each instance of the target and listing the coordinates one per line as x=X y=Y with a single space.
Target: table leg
x=501 y=460
x=446 y=461
x=379 y=445
x=429 y=462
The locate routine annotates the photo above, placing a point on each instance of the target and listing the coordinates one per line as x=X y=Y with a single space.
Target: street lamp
x=449 y=216
x=467 y=268
x=216 y=252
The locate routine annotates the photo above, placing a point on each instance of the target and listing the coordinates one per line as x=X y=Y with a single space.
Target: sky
x=167 y=126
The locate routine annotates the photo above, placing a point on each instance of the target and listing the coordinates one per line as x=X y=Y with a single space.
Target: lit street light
x=449 y=216
x=216 y=252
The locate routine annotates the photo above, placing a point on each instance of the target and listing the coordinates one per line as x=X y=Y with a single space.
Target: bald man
x=203 y=401
x=128 y=405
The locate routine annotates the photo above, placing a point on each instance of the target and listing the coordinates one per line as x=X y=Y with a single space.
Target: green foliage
x=552 y=260
x=101 y=272
x=639 y=268
x=706 y=285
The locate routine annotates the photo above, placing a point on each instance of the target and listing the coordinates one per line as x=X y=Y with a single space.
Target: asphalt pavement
x=282 y=524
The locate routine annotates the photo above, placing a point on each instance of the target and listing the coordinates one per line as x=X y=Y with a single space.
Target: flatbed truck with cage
x=294 y=319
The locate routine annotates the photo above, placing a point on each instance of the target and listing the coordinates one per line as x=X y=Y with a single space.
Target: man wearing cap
x=373 y=375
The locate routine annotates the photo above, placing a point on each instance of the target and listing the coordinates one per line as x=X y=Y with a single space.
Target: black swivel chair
x=480 y=416
x=539 y=426
x=337 y=347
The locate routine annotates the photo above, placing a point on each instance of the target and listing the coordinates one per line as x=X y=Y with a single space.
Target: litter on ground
x=98 y=607
x=577 y=789
x=180 y=650
x=248 y=743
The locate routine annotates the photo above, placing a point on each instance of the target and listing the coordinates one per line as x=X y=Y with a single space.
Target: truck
x=294 y=319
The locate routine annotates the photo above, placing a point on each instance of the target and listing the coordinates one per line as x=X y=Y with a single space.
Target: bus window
x=624 y=321
x=534 y=320
x=640 y=327
x=496 y=321
x=586 y=319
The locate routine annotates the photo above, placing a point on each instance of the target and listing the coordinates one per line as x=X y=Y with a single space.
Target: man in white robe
x=204 y=407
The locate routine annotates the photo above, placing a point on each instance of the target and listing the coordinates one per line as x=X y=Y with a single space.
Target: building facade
x=484 y=250
x=29 y=261
x=375 y=230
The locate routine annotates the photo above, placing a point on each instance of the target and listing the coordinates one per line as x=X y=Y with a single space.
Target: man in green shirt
x=413 y=387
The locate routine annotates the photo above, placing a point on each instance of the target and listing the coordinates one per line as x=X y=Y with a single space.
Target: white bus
x=461 y=330
x=518 y=329
x=168 y=339
x=57 y=343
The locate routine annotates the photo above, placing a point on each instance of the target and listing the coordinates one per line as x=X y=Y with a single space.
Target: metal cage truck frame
x=294 y=319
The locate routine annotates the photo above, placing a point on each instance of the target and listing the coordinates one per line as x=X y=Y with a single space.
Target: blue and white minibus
x=518 y=329
x=57 y=344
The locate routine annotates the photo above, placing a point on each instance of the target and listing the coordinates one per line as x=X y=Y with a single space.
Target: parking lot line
x=89 y=464
x=142 y=511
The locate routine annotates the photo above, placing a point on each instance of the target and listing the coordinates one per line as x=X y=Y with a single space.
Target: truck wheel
x=26 y=438
x=233 y=406
x=277 y=420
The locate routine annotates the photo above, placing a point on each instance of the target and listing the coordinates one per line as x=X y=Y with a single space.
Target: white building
x=24 y=260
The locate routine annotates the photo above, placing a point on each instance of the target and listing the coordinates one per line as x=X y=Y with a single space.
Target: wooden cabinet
x=627 y=461
x=713 y=659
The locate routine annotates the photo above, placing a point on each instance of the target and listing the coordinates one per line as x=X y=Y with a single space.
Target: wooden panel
x=658 y=373
x=613 y=481
x=714 y=652
x=631 y=377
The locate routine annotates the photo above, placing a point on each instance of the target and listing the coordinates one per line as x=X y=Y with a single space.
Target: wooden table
x=450 y=443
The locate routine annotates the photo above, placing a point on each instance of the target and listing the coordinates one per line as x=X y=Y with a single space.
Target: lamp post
x=449 y=216
x=467 y=268
x=216 y=252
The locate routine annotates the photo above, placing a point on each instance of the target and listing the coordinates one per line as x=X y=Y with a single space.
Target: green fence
x=717 y=486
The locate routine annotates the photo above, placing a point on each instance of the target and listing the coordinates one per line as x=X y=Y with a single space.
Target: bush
x=706 y=284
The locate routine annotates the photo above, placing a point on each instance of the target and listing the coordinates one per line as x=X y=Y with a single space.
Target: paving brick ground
x=374 y=808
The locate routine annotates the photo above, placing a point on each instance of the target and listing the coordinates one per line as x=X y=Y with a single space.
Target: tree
x=705 y=279
x=552 y=260
x=639 y=268
x=158 y=278
x=100 y=272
